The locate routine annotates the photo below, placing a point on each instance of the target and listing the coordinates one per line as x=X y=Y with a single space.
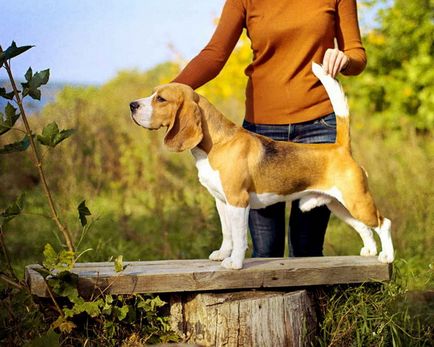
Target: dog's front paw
x=232 y=263
x=220 y=254
x=368 y=251
x=385 y=257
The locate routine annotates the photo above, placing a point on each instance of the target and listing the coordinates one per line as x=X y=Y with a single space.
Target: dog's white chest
x=208 y=177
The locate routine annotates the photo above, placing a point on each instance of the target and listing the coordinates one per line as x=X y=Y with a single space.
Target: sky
x=88 y=41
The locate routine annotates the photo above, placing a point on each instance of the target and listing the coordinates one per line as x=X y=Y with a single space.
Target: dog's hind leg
x=369 y=246
x=387 y=254
x=361 y=207
x=226 y=246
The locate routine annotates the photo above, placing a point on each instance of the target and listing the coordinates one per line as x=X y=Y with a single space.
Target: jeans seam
x=290 y=129
x=323 y=122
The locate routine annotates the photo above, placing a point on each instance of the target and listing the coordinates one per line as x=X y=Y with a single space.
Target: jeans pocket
x=329 y=121
x=322 y=130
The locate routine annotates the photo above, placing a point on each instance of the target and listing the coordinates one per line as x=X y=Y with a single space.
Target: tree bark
x=246 y=318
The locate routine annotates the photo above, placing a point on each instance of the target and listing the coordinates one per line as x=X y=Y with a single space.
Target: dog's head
x=174 y=106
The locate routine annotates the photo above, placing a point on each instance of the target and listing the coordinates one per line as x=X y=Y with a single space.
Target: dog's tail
x=339 y=103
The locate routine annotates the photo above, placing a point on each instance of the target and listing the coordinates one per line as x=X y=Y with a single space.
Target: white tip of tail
x=333 y=89
x=318 y=70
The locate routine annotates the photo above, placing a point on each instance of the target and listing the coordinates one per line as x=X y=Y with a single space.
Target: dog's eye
x=160 y=99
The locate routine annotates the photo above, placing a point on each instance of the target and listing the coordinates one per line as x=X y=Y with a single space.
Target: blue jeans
x=306 y=230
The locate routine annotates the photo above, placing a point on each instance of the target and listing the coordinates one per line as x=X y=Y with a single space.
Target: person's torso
x=286 y=36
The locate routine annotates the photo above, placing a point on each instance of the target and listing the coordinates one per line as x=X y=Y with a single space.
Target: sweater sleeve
x=210 y=61
x=348 y=36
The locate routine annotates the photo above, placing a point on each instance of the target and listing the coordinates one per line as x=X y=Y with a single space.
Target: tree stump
x=246 y=318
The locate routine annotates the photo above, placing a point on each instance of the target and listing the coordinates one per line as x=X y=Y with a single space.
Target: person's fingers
x=329 y=60
x=345 y=62
x=334 y=61
x=337 y=66
x=325 y=61
x=341 y=63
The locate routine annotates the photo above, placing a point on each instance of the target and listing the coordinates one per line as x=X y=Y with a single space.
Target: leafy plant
x=50 y=135
x=106 y=319
x=34 y=82
x=10 y=116
x=83 y=212
x=71 y=315
x=398 y=84
x=13 y=210
x=21 y=319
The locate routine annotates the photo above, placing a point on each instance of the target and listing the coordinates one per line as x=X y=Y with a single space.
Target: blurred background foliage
x=146 y=202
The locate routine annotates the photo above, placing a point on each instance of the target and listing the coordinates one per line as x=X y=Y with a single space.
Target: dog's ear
x=185 y=130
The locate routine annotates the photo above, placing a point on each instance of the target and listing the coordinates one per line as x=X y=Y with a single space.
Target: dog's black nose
x=134 y=106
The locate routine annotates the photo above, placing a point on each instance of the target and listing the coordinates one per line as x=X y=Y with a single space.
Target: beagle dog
x=243 y=170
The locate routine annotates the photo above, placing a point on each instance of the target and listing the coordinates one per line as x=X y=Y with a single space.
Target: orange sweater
x=286 y=36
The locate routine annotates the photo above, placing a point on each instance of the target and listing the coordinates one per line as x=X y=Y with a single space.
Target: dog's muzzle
x=134 y=106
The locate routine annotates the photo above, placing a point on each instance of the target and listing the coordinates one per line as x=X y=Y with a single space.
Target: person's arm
x=350 y=57
x=348 y=36
x=210 y=61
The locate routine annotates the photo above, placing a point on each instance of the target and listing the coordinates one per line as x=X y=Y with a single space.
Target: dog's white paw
x=220 y=254
x=368 y=251
x=385 y=257
x=232 y=263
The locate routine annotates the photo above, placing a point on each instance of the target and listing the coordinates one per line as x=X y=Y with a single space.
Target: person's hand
x=334 y=61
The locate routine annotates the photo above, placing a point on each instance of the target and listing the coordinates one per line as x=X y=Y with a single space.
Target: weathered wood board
x=170 y=276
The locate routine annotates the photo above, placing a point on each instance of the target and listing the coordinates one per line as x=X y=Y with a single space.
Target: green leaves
x=5 y=94
x=92 y=308
x=83 y=211
x=151 y=304
x=121 y=312
x=119 y=265
x=17 y=146
x=51 y=136
x=13 y=210
x=397 y=87
x=34 y=82
x=62 y=261
x=8 y=119
x=12 y=51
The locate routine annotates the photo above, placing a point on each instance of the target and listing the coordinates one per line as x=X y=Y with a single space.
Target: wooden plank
x=169 y=276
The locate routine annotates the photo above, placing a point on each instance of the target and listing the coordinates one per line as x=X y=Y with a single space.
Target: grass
x=374 y=315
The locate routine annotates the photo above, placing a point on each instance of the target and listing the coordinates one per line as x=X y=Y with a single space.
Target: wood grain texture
x=170 y=276
x=248 y=318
